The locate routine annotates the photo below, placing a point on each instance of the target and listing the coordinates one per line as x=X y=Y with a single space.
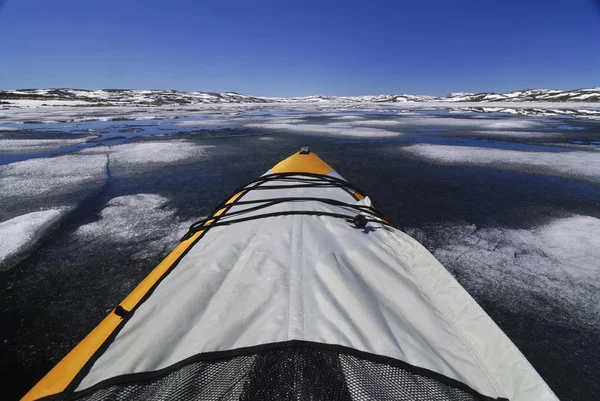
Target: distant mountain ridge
x=121 y=97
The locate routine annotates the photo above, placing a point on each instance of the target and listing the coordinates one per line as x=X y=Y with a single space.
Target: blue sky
x=288 y=47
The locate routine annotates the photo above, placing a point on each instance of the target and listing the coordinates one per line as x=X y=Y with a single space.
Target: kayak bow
x=296 y=287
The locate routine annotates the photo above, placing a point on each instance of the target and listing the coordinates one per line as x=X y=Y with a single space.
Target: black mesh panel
x=286 y=373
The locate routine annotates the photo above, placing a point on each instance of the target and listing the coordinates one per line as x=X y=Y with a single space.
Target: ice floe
x=159 y=152
x=20 y=233
x=470 y=123
x=42 y=176
x=355 y=117
x=39 y=177
x=137 y=156
x=143 y=221
x=576 y=164
x=516 y=134
x=36 y=145
x=375 y=123
x=333 y=129
x=551 y=266
x=209 y=123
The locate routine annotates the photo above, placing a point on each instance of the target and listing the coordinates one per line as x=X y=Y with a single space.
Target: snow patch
x=577 y=164
x=21 y=233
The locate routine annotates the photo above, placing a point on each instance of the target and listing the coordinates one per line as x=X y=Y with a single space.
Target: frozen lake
x=509 y=204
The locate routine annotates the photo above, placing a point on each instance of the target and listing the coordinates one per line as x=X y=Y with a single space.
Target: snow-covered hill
x=530 y=95
x=122 y=97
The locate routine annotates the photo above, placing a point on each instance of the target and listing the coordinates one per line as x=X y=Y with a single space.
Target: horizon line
x=297 y=96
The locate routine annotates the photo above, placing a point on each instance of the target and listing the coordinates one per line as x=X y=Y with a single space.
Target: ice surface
x=577 y=164
x=554 y=265
x=21 y=233
x=39 y=177
x=143 y=221
x=36 y=145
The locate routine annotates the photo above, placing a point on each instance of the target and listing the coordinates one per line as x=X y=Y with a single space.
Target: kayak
x=296 y=287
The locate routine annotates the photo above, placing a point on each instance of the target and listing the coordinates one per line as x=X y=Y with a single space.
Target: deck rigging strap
x=362 y=214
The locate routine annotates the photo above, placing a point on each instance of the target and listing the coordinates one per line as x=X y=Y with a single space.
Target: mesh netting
x=291 y=373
